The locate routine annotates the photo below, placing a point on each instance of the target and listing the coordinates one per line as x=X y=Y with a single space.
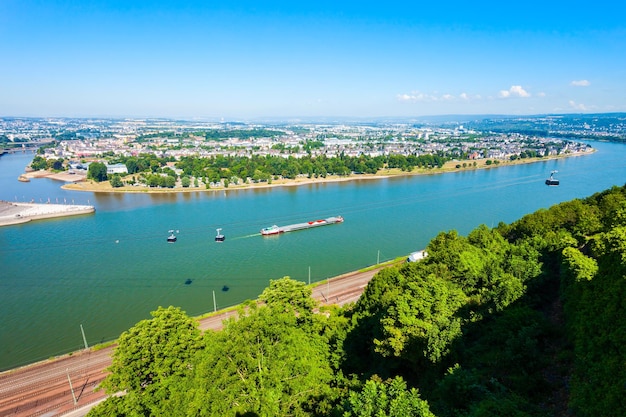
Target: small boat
x=219 y=237
x=172 y=237
x=225 y=288
x=552 y=180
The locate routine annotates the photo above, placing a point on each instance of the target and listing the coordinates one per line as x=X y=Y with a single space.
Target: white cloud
x=577 y=106
x=514 y=91
x=580 y=83
x=416 y=96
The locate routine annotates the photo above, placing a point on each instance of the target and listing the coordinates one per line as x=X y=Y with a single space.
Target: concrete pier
x=17 y=213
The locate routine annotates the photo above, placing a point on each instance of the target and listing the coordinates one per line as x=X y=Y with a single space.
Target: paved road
x=66 y=385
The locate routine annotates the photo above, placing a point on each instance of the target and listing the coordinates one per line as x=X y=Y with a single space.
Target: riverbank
x=64 y=176
x=18 y=213
x=450 y=166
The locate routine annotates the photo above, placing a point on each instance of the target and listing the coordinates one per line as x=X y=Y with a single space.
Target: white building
x=117 y=169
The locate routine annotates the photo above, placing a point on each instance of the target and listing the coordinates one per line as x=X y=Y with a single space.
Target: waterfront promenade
x=67 y=385
x=17 y=213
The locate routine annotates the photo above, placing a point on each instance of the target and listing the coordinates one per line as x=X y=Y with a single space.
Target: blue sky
x=247 y=60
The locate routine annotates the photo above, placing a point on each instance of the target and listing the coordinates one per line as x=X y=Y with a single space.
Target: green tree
x=39 y=163
x=116 y=181
x=155 y=166
x=262 y=363
x=149 y=360
x=289 y=295
x=132 y=165
x=57 y=165
x=97 y=171
x=168 y=181
x=389 y=399
x=378 y=296
x=580 y=266
x=422 y=323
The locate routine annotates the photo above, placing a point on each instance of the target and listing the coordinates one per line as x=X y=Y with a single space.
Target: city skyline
x=250 y=60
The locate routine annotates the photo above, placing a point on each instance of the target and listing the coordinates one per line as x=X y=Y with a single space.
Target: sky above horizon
x=259 y=59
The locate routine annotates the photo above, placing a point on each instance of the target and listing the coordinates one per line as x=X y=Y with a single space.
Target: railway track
x=43 y=389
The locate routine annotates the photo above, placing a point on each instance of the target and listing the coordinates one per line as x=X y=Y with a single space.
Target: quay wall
x=18 y=213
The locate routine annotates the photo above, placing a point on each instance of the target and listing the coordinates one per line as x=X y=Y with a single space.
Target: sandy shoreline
x=450 y=166
x=58 y=176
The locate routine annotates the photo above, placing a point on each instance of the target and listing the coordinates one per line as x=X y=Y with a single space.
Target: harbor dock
x=17 y=213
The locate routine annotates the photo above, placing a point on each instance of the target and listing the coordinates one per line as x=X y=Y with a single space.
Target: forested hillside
x=526 y=319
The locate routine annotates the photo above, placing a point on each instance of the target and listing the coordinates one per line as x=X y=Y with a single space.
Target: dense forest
x=524 y=319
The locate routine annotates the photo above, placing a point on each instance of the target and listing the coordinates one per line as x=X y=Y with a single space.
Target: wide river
x=108 y=270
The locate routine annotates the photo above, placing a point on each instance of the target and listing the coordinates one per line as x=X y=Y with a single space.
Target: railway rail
x=68 y=383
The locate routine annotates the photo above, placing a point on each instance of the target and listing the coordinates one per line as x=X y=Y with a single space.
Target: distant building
x=117 y=169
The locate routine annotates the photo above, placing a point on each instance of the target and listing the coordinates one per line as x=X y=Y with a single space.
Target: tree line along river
x=109 y=270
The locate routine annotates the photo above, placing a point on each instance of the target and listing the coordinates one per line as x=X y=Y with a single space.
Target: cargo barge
x=275 y=230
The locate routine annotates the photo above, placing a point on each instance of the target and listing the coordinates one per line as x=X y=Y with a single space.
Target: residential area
x=155 y=148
